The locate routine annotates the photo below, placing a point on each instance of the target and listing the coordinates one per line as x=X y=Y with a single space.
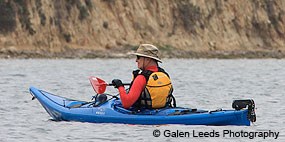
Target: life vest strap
x=159 y=86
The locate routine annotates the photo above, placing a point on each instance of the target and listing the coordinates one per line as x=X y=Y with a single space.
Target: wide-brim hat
x=148 y=50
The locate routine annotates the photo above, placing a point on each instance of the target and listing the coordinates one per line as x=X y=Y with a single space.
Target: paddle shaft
x=100 y=85
x=111 y=84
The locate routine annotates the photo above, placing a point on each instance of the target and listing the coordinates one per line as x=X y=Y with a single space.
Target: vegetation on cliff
x=111 y=28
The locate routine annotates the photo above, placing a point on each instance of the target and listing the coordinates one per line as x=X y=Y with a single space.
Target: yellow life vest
x=157 y=92
x=158 y=88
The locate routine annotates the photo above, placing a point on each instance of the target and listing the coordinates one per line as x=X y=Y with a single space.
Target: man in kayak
x=151 y=86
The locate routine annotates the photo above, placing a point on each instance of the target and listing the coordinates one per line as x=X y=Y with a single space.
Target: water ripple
x=207 y=84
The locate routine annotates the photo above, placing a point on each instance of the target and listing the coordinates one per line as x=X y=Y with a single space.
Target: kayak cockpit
x=167 y=111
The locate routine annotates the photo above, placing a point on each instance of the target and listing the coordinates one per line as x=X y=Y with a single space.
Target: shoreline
x=115 y=53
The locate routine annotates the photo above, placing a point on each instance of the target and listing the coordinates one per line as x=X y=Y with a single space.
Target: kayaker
x=151 y=86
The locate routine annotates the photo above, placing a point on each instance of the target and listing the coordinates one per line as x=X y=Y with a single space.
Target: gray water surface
x=205 y=84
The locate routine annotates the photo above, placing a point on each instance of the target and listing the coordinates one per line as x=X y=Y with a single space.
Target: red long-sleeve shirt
x=135 y=91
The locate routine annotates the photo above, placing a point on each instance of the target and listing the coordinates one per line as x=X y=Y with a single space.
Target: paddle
x=100 y=85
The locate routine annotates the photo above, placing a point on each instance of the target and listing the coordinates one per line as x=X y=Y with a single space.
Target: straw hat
x=148 y=50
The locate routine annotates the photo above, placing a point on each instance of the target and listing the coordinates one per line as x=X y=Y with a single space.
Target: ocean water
x=204 y=83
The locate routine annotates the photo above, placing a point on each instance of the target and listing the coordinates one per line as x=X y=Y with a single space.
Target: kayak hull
x=64 y=109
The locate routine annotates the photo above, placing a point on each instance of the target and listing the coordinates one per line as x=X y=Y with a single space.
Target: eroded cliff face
x=178 y=27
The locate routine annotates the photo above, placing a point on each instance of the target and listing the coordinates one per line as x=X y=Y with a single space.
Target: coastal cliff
x=111 y=28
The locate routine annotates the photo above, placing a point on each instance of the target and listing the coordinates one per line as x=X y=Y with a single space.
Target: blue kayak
x=111 y=111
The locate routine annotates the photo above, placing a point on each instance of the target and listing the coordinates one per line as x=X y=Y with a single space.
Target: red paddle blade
x=98 y=84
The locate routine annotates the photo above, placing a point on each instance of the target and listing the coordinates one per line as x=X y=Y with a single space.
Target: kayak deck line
x=112 y=111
